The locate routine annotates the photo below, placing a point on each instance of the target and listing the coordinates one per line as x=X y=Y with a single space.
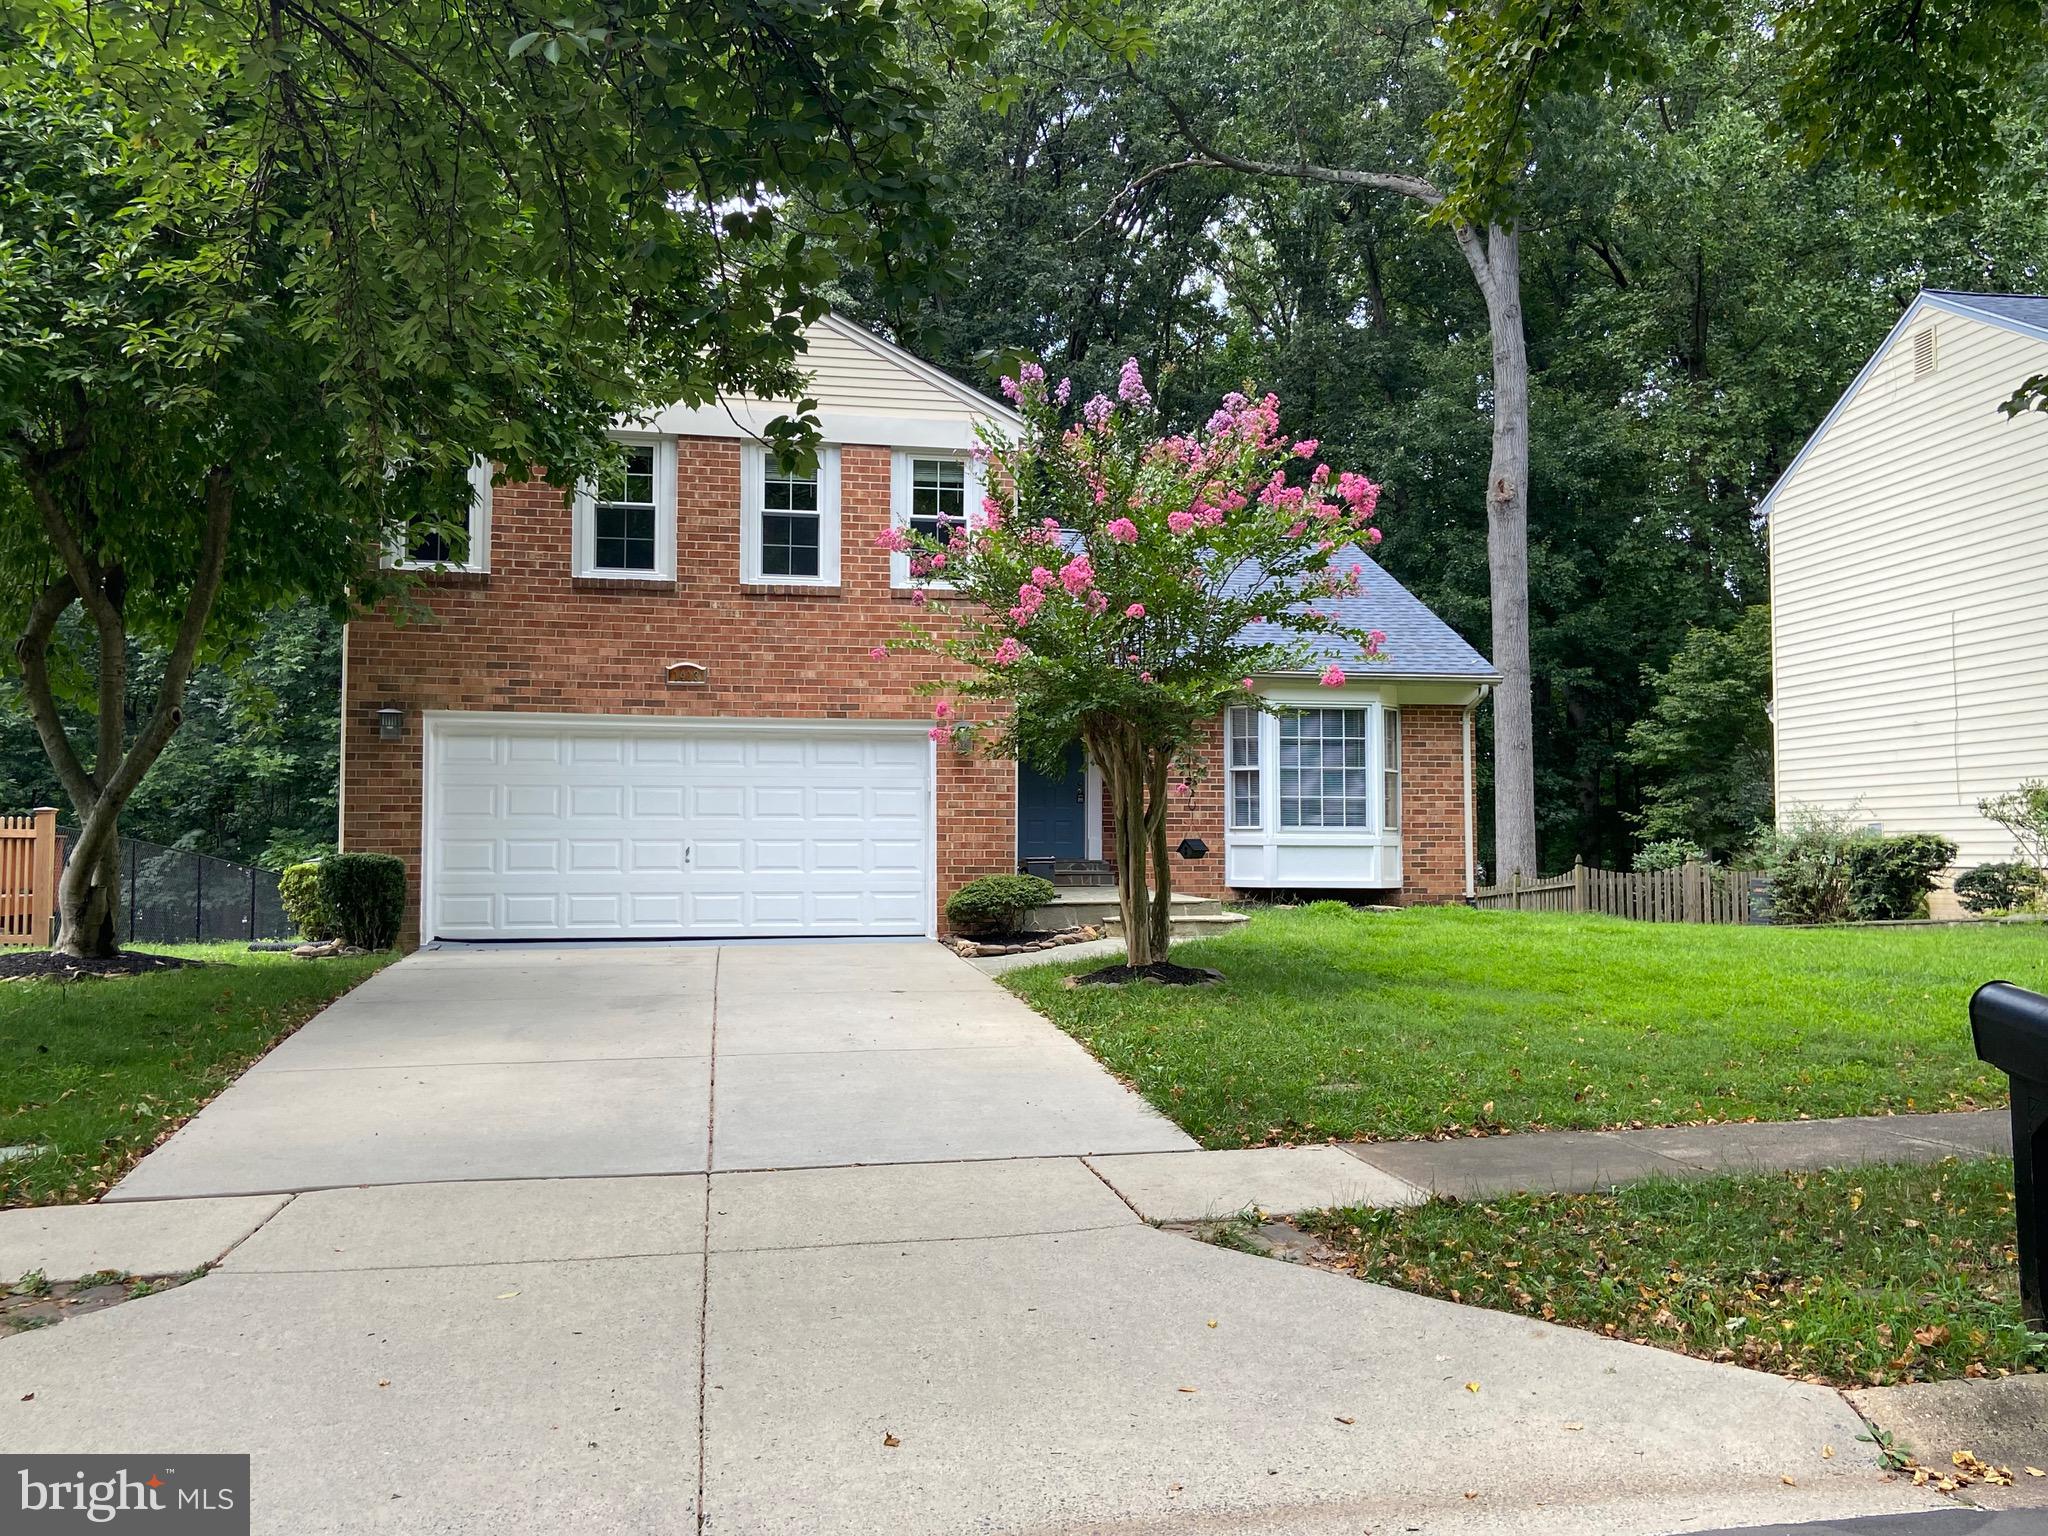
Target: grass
x=1864 y=1277
x=99 y=1071
x=1336 y=1023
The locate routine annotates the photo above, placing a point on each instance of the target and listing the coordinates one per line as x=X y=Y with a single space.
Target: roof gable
x=2022 y=314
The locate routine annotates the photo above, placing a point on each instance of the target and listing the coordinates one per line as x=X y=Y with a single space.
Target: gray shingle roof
x=1418 y=644
x=2024 y=308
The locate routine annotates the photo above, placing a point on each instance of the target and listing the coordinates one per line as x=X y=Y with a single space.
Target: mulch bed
x=1165 y=972
x=44 y=964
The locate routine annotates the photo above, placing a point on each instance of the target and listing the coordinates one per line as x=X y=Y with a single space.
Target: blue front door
x=1052 y=814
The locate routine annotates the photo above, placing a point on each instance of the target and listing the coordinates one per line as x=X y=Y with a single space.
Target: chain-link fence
x=175 y=896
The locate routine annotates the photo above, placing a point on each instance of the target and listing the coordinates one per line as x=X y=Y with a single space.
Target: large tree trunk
x=1127 y=774
x=88 y=897
x=1496 y=262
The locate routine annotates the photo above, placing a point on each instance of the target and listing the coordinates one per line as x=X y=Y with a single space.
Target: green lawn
x=1337 y=1023
x=1865 y=1277
x=100 y=1071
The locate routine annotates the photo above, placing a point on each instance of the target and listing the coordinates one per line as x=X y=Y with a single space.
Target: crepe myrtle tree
x=1122 y=586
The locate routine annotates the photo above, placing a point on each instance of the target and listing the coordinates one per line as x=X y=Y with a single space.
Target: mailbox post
x=2009 y=1025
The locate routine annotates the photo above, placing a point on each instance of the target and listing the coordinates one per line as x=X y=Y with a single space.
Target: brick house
x=648 y=710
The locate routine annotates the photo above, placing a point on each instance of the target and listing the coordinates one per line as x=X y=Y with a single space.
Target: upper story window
x=931 y=494
x=626 y=519
x=1326 y=777
x=789 y=520
x=463 y=542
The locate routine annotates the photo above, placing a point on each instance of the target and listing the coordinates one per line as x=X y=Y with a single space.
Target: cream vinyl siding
x=1909 y=587
x=862 y=377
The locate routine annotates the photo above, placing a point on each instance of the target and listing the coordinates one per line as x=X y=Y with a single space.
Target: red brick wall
x=1432 y=802
x=529 y=636
x=1432 y=809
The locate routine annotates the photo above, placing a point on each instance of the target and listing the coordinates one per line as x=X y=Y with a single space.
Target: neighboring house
x=648 y=709
x=1909 y=580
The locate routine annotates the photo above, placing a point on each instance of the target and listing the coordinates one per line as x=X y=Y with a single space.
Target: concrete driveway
x=561 y=1061
x=495 y=1334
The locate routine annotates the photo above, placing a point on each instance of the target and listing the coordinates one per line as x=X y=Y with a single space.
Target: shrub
x=995 y=903
x=305 y=908
x=2023 y=813
x=1807 y=861
x=1998 y=887
x=1672 y=853
x=1889 y=877
x=366 y=894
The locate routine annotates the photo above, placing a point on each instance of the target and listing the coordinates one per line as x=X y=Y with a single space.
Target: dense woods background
x=1694 y=301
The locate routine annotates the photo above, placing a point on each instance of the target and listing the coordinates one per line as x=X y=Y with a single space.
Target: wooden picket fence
x=1692 y=893
x=29 y=861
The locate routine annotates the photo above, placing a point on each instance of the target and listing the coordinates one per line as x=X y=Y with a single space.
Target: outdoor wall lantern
x=1193 y=848
x=390 y=723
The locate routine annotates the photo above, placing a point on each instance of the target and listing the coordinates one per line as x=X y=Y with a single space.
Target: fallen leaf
x=1787 y=1481
x=1575 y=1426
x=1345 y=1418
x=1932 y=1336
x=890 y=1440
x=1212 y=1322
x=2031 y=1471
x=383 y=1383
x=1187 y=1389
x=1471 y=1493
x=1471 y=1386
x=1827 y=1453
x=506 y=1295
x=29 y=1397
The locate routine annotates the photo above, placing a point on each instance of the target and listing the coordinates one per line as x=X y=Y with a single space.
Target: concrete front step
x=1095 y=906
x=1189 y=925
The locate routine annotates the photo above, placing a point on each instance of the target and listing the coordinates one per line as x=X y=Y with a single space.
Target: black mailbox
x=2009 y=1025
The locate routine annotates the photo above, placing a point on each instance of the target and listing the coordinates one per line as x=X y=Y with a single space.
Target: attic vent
x=1923 y=352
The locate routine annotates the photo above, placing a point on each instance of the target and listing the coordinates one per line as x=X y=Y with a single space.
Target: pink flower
x=1332 y=677
x=1097 y=412
x=1373 y=535
x=937 y=733
x=1008 y=652
x=1306 y=448
x=1378 y=638
x=1077 y=575
x=1144 y=677
x=1122 y=531
x=879 y=653
x=1135 y=611
x=1031 y=597
x=1181 y=522
x=941 y=710
x=1130 y=385
x=1063 y=391
x=1031 y=373
x=1247 y=684
x=991 y=511
x=1040 y=576
x=918 y=599
x=892 y=539
x=1181 y=791
x=1297 y=530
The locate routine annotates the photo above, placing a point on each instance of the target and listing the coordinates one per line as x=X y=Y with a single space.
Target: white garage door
x=659 y=830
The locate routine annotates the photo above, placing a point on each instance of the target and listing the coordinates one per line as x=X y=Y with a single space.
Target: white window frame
x=902 y=470
x=399 y=557
x=1390 y=769
x=753 y=481
x=1372 y=731
x=584 y=532
x=1266 y=855
x=1243 y=724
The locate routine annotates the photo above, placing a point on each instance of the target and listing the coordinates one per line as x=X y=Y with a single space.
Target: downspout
x=1471 y=820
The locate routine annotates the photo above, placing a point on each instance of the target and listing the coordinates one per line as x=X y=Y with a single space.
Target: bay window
x=1325 y=769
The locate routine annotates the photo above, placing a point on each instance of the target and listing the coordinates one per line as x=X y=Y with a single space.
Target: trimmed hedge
x=1889 y=877
x=366 y=894
x=298 y=892
x=1998 y=887
x=995 y=903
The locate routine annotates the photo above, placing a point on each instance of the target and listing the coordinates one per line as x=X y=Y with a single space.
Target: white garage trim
x=439 y=727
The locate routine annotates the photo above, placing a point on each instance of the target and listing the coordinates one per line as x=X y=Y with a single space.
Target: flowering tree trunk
x=1137 y=780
